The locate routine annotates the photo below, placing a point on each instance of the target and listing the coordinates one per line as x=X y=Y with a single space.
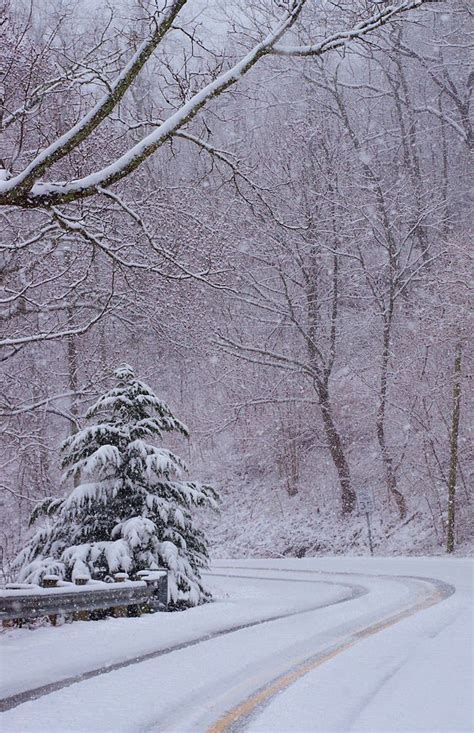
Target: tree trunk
x=348 y=497
x=453 y=458
x=72 y=369
x=390 y=476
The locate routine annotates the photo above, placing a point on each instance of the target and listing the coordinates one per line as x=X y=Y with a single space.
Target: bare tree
x=28 y=189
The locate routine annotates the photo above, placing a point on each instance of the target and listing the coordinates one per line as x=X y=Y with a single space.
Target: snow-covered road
x=291 y=645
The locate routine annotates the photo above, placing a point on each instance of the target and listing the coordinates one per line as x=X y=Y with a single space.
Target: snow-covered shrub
x=130 y=509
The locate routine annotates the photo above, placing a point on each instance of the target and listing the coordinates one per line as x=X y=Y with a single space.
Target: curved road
x=302 y=616
x=430 y=591
x=351 y=591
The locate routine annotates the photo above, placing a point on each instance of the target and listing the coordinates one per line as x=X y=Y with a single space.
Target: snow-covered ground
x=381 y=660
x=283 y=527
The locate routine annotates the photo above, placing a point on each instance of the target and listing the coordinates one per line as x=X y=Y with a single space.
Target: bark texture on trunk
x=348 y=497
x=387 y=458
x=453 y=452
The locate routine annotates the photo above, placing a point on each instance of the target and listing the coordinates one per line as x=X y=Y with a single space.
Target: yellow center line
x=247 y=706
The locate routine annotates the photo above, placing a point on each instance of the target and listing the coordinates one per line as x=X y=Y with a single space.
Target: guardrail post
x=163 y=590
x=120 y=611
x=158 y=581
x=85 y=614
x=51 y=581
x=145 y=607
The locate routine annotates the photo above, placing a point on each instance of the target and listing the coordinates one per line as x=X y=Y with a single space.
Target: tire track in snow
x=354 y=591
x=238 y=718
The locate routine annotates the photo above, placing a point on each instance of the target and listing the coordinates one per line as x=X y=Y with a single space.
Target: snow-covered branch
x=23 y=182
x=26 y=190
x=54 y=335
x=262 y=356
x=429 y=109
x=359 y=31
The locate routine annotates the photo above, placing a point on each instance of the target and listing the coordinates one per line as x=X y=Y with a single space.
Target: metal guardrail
x=54 y=597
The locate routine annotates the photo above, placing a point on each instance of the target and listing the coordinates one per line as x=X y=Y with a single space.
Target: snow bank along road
x=320 y=644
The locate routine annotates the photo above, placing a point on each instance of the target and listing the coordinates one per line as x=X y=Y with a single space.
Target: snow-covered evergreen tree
x=130 y=510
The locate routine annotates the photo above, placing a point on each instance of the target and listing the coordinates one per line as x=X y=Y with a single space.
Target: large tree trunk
x=387 y=459
x=348 y=497
x=453 y=458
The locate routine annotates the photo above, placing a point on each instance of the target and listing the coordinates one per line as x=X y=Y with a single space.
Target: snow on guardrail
x=21 y=601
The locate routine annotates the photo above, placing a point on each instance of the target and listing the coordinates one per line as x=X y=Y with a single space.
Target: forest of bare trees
x=264 y=208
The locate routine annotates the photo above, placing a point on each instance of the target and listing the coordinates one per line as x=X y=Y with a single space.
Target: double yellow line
x=245 y=708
